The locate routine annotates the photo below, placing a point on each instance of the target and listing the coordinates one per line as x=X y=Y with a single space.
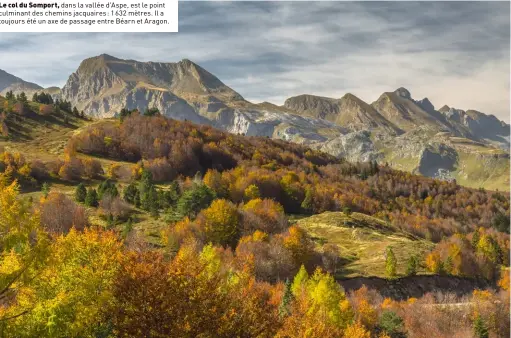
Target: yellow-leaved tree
x=22 y=249
x=220 y=222
x=319 y=307
x=67 y=296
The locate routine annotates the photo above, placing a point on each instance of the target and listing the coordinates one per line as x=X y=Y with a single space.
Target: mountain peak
x=187 y=62
x=444 y=109
x=403 y=92
x=349 y=96
x=426 y=104
x=107 y=57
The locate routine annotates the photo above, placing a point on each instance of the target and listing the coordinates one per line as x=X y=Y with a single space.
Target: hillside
x=362 y=241
x=147 y=208
x=38 y=135
x=9 y=82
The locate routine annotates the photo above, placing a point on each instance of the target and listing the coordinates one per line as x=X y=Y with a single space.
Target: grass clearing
x=362 y=241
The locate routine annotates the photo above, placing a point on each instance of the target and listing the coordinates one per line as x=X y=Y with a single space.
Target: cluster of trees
x=67 y=282
x=300 y=179
x=125 y=112
x=19 y=103
x=42 y=98
x=21 y=97
x=477 y=254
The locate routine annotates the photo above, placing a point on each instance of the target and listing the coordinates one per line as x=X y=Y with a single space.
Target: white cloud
x=453 y=53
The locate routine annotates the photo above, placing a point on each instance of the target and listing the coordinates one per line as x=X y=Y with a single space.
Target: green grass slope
x=362 y=241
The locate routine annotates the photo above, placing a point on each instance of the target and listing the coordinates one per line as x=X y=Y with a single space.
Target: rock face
x=348 y=111
x=399 y=108
x=437 y=161
x=10 y=82
x=103 y=85
x=314 y=106
x=408 y=134
x=355 y=146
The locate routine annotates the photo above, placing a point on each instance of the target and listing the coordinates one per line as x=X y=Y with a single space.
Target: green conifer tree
x=390 y=263
x=480 y=328
x=91 y=200
x=80 y=193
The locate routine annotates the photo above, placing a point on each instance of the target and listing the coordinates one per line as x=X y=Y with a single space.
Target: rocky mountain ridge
x=408 y=134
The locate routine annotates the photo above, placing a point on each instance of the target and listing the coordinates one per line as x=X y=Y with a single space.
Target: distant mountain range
x=409 y=134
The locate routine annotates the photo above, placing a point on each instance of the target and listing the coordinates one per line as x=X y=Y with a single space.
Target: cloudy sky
x=454 y=53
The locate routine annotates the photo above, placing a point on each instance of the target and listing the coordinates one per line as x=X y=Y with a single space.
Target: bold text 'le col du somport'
x=67 y=5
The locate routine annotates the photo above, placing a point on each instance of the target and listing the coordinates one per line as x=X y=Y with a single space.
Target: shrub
x=391 y=323
x=59 y=214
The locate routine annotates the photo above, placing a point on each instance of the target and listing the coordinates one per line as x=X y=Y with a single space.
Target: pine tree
x=501 y=222
x=91 y=200
x=152 y=112
x=448 y=265
x=480 y=328
x=130 y=192
x=391 y=323
x=390 y=263
x=128 y=226
x=9 y=96
x=286 y=300
x=22 y=97
x=80 y=193
x=107 y=187
x=45 y=189
x=194 y=200
x=152 y=202
x=307 y=201
x=346 y=211
x=411 y=267
x=148 y=193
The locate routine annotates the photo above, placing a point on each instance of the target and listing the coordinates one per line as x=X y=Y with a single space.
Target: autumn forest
x=232 y=249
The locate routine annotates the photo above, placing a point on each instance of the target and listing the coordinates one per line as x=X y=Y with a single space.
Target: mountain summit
x=104 y=84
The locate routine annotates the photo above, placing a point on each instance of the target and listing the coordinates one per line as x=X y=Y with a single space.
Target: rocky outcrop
x=355 y=146
x=437 y=160
x=103 y=85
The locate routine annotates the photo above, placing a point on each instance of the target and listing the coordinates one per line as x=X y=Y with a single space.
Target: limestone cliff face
x=355 y=146
x=349 y=112
x=481 y=126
